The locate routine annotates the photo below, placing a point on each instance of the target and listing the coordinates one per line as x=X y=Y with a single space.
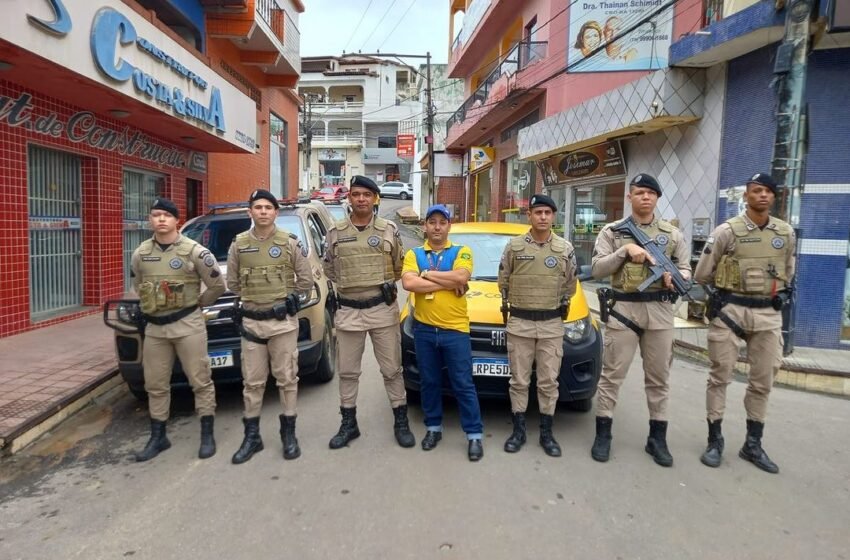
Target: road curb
x=58 y=412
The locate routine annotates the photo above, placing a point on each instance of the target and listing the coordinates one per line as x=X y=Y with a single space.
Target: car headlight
x=309 y=299
x=577 y=331
x=127 y=312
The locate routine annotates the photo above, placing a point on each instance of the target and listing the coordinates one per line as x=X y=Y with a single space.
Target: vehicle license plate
x=221 y=359
x=495 y=367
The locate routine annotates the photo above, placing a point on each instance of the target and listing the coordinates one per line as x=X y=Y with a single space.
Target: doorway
x=140 y=190
x=482 y=195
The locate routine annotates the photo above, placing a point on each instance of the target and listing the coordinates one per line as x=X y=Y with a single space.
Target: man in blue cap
x=750 y=260
x=437 y=274
x=363 y=257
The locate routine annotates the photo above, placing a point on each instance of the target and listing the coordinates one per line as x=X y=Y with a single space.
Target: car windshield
x=217 y=235
x=337 y=212
x=327 y=190
x=487 y=251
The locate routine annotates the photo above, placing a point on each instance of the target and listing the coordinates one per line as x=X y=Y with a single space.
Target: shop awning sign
x=602 y=161
x=480 y=157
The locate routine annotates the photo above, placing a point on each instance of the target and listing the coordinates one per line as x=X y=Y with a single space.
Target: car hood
x=483 y=302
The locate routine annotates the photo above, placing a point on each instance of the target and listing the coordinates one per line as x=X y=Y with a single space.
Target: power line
x=380 y=21
x=396 y=25
x=356 y=27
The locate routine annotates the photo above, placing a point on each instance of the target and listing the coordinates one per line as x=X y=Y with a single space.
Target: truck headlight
x=309 y=299
x=126 y=313
x=577 y=331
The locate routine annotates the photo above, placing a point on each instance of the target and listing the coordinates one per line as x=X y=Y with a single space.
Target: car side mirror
x=584 y=273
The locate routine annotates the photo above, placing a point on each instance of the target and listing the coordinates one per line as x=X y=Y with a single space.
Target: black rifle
x=504 y=308
x=662 y=261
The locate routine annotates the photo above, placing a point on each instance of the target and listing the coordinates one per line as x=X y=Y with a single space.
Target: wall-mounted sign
x=480 y=157
x=331 y=154
x=50 y=222
x=590 y=164
x=198 y=162
x=448 y=165
x=599 y=23
x=84 y=128
x=405 y=145
x=109 y=43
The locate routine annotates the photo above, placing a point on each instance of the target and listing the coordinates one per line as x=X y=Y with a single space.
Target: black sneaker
x=431 y=440
x=476 y=450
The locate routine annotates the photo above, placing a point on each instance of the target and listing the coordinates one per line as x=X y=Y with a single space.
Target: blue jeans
x=437 y=348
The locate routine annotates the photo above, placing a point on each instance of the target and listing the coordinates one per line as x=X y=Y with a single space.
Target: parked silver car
x=397 y=189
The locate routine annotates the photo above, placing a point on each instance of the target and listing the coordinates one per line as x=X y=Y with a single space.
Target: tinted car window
x=291 y=223
x=487 y=251
x=217 y=235
x=337 y=212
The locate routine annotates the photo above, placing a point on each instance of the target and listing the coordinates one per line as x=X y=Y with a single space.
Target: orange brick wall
x=451 y=191
x=232 y=177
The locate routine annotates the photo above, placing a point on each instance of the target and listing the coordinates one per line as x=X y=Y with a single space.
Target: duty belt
x=173 y=318
x=753 y=302
x=361 y=303
x=258 y=315
x=535 y=314
x=663 y=296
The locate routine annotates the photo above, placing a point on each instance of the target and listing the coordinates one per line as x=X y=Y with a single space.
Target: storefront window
x=277 y=155
x=520 y=185
x=593 y=207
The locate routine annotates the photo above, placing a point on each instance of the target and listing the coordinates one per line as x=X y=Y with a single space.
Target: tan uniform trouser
x=282 y=350
x=765 y=351
x=656 y=350
x=386 y=342
x=158 y=361
x=522 y=351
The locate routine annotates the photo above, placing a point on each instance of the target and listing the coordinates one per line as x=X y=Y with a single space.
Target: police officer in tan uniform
x=168 y=270
x=268 y=269
x=750 y=261
x=363 y=257
x=537 y=274
x=642 y=319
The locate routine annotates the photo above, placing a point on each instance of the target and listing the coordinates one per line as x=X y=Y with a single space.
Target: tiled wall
x=825 y=206
x=102 y=178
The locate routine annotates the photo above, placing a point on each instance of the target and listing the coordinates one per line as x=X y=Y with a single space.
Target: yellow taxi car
x=491 y=371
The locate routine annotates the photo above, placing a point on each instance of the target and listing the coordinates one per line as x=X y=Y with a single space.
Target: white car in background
x=397 y=189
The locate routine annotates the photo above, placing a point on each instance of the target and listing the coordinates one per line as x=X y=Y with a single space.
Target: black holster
x=389 y=291
x=604 y=295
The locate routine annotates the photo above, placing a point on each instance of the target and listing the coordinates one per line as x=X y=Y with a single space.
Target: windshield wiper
x=485 y=278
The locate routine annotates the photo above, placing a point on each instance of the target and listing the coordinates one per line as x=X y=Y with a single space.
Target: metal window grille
x=140 y=190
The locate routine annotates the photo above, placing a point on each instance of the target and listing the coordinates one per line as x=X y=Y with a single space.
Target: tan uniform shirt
x=538 y=329
x=303 y=284
x=350 y=319
x=722 y=242
x=203 y=263
x=607 y=260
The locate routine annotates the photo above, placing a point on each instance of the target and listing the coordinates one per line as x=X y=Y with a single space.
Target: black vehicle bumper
x=580 y=369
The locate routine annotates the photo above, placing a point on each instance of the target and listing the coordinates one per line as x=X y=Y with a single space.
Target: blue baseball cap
x=438 y=208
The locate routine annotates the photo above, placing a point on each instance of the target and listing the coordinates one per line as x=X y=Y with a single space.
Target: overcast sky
x=330 y=26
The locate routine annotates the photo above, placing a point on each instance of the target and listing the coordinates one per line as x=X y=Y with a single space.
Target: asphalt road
x=77 y=493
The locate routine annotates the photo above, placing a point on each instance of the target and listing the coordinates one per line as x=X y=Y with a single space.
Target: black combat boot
x=547 y=440
x=157 y=442
x=517 y=438
x=287 y=436
x=252 y=443
x=601 y=449
x=207 y=448
x=656 y=443
x=714 y=452
x=752 y=450
x=348 y=429
x=401 y=427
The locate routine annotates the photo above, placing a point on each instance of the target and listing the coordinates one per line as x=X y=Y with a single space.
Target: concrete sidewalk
x=47 y=371
x=811 y=369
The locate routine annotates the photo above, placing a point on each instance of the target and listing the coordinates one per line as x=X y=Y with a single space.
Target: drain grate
x=22 y=408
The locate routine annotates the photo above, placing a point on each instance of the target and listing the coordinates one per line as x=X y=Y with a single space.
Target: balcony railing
x=271 y=13
x=712 y=11
x=337 y=107
x=472 y=18
x=517 y=58
x=335 y=137
x=291 y=42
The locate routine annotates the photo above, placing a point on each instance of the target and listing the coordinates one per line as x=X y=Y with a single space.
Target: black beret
x=542 y=200
x=765 y=180
x=647 y=182
x=263 y=194
x=366 y=183
x=167 y=205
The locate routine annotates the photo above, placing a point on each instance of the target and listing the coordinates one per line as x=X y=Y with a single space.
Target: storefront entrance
x=140 y=190
x=55 y=232
x=481 y=195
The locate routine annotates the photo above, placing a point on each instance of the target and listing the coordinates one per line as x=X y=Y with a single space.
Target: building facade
x=356 y=108
x=103 y=107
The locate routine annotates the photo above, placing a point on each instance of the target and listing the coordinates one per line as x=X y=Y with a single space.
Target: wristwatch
x=424 y=273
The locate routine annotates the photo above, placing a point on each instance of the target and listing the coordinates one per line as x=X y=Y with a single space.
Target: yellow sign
x=480 y=157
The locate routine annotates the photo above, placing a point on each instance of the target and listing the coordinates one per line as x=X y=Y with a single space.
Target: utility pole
x=790 y=146
x=307 y=127
x=429 y=140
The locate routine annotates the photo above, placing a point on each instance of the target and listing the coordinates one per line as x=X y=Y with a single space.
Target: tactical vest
x=168 y=280
x=757 y=264
x=631 y=275
x=266 y=273
x=364 y=258
x=537 y=273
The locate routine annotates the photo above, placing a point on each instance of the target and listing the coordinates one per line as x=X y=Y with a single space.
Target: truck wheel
x=327 y=361
x=139 y=393
x=582 y=405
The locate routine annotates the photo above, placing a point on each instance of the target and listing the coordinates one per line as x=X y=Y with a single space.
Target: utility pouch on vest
x=728 y=275
x=147 y=297
x=753 y=280
x=633 y=275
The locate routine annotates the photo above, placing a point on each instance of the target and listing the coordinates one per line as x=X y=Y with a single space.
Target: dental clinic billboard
x=609 y=28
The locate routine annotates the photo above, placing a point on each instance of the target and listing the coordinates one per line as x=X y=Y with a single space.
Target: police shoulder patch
x=209 y=260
